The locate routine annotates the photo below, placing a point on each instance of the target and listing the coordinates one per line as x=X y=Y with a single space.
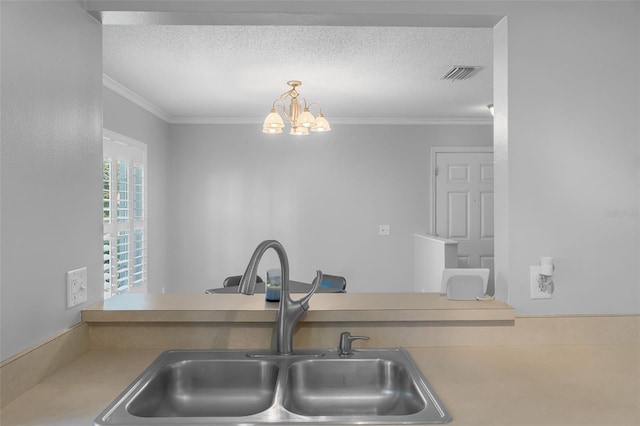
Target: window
x=124 y=214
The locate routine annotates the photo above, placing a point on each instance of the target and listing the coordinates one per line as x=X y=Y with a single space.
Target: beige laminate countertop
x=324 y=307
x=558 y=385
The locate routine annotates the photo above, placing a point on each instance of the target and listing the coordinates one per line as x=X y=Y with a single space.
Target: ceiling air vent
x=459 y=73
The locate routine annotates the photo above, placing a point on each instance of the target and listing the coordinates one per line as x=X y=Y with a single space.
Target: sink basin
x=207 y=388
x=373 y=386
x=360 y=387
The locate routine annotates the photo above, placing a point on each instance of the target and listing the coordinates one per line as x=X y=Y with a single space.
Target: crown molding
x=412 y=121
x=216 y=120
x=133 y=97
x=138 y=100
x=381 y=121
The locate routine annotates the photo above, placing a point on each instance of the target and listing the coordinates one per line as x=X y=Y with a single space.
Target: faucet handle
x=345 y=343
x=316 y=283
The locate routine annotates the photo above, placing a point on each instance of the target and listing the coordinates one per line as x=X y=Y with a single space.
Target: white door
x=464 y=206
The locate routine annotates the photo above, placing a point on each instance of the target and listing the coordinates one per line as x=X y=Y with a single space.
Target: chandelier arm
x=312 y=104
x=280 y=103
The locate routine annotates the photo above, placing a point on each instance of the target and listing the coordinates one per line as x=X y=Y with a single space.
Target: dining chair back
x=334 y=281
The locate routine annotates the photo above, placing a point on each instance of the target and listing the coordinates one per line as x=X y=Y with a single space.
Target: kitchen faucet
x=289 y=311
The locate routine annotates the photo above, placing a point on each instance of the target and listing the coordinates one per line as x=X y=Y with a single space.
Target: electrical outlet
x=76 y=287
x=384 y=230
x=536 y=291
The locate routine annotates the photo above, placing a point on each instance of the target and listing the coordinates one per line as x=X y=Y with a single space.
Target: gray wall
x=323 y=196
x=573 y=141
x=125 y=118
x=51 y=166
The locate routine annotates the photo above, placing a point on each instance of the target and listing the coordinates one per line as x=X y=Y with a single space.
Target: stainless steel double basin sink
x=372 y=386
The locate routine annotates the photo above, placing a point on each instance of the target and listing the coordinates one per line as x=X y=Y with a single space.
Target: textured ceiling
x=358 y=74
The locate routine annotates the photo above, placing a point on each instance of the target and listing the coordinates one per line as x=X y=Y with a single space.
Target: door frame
x=435 y=150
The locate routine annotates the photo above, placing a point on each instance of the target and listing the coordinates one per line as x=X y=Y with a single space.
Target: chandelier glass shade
x=301 y=119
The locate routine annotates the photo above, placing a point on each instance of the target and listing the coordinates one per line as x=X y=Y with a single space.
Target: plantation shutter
x=124 y=216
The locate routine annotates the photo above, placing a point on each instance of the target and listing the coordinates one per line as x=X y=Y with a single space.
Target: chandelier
x=301 y=120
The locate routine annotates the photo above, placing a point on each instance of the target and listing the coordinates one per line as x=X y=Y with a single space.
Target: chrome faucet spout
x=289 y=311
x=248 y=281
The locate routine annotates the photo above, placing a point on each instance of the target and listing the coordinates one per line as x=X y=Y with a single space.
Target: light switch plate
x=76 y=287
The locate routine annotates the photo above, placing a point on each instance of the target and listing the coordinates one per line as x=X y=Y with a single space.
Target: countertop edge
x=350 y=307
